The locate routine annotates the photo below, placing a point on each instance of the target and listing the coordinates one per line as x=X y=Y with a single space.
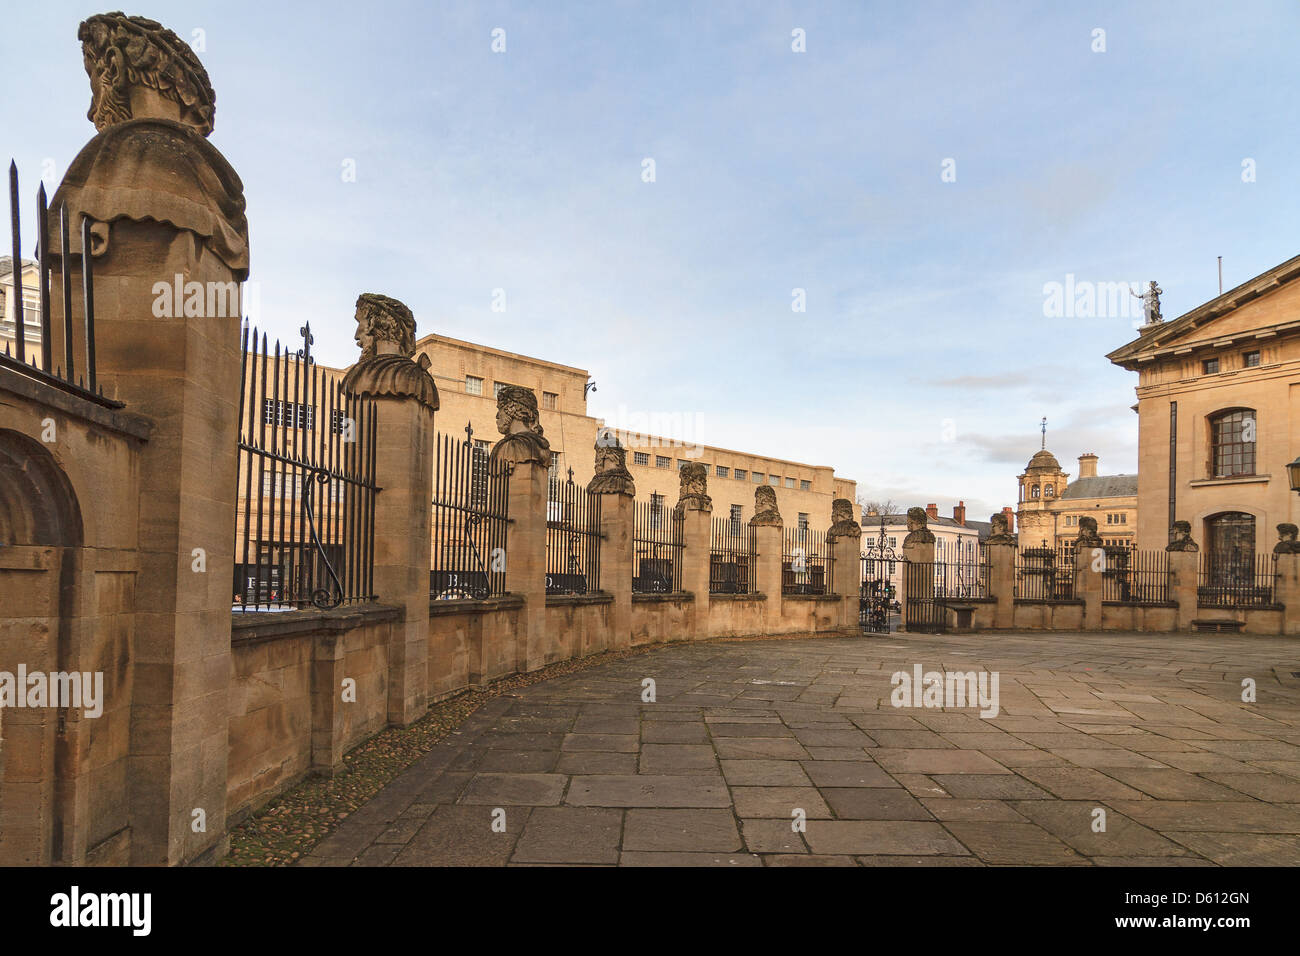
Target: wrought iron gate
x=878 y=591
x=925 y=586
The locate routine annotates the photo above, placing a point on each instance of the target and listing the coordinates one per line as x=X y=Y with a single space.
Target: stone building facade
x=9 y=310
x=1218 y=397
x=1051 y=506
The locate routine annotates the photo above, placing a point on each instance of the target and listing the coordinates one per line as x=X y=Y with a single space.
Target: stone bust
x=1287 y=543
x=517 y=421
x=918 y=527
x=612 y=476
x=842 y=523
x=1182 y=531
x=693 y=493
x=765 y=510
x=1000 y=530
x=153 y=107
x=1088 y=536
x=386 y=336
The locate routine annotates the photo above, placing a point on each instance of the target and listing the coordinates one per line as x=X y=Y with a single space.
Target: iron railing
x=305 y=514
x=658 y=539
x=1045 y=574
x=72 y=367
x=1135 y=577
x=732 y=556
x=572 y=538
x=1236 y=579
x=965 y=578
x=469 y=520
x=805 y=562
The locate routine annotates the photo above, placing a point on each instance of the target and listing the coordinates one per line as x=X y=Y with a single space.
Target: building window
x=656 y=510
x=1232 y=443
x=871 y=542
x=737 y=511
x=758 y=477
x=496 y=388
x=805 y=485
x=1250 y=359
x=893 y=543
x=722 y=471
x=1210 y=366
x=550 y=400
x=789 y=482
x=662 y=462
x=640 y=458
x=741 y=474
x=1230 y=541
x=473 y=385
x=681 y=463
x=774 y=480
x=803 y=521
x=1033 y=493
x=1051 y=491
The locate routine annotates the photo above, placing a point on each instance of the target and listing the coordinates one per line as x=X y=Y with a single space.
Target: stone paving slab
x=790 y=753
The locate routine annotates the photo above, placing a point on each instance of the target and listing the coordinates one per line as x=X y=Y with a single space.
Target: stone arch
x=41 y=535
x=38 y=505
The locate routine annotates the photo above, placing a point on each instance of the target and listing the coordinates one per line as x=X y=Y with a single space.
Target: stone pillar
x=1287 y=589
x=167 y=213
x=326 y=703
x=1089 y=570
x=768 y=543
x=613 y=482
x=528 y=454
x=918 y=556
x=844 y=541
x=1002 y=546
x=696 y=508
x=405 y=400
x=1184 y=571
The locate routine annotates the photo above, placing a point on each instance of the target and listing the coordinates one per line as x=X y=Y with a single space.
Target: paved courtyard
x=1150 y=729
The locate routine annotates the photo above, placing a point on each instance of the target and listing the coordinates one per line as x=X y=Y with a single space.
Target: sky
x=922 y=172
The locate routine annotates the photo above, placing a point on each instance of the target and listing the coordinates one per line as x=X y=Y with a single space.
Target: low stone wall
x=655 y=616
x=290 y=710
x=472 y=643
x=578 y=625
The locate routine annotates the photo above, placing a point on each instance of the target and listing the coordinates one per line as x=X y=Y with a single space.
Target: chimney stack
x=1011 y=519
x=1088 y=465
x=959 y=513
x=932 y=510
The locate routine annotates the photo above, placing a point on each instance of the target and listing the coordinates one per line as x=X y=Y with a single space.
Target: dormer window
x=1051 y=491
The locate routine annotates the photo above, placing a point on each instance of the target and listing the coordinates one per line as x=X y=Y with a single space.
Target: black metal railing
x=71 y=367
x=1045 y=574
x=658 y=539
x=305 y=514
x=469 y=520
x=732 y=557
x=572 y=538
x=1135 y=577
x=805 y=562
x=1236 y=579
x=964 y=578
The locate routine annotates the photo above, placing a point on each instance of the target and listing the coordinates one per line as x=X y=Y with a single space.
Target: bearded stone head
x=517 y=406
x=998 y=524
x=139 y=69
x=841 y=510
x=384 y=326
x=917 y=519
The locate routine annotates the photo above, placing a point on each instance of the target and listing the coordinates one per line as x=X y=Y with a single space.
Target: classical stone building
x=1051 y=506
x=1218 y=396
x=9 y=310
x=469 y=376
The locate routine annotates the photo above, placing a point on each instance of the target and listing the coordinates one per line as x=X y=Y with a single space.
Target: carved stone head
x=1182 y=531
x=612 y=476
x=1088 y=536
x=385 y=326
x=517 y=411
x=1287 y=539
x=693 y=494
x=517 y=421
x=765 y=510
x=139 y=69
x=843 y=524
x=917 y=519
x=998 y=525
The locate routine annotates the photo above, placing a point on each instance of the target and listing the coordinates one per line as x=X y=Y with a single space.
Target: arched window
x=1232 y=443
x=1051 y=491
x=1033 y=492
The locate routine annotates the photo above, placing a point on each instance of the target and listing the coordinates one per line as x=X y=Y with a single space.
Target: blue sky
x=775 y=170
